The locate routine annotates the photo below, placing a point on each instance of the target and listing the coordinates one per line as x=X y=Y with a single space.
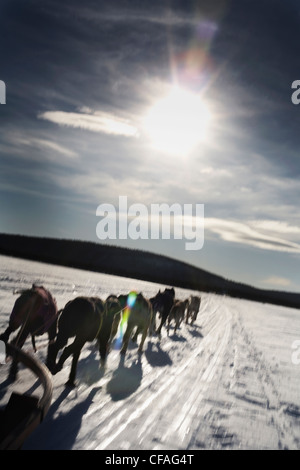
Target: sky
x=164 y=102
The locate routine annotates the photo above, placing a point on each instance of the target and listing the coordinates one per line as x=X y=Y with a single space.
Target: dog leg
x=76 y=354
x=126 y=338
x=145 y=331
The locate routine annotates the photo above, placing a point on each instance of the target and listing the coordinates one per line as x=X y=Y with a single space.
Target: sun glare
x=178 y=122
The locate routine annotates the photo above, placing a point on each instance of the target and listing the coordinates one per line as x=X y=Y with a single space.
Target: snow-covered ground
x=230 y=381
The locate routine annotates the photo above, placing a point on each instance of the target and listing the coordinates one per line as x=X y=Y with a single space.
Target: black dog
x=82 y=318
x=162 y=303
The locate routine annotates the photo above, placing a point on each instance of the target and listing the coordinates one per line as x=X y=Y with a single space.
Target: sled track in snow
x=277 y=411
x=162 y=392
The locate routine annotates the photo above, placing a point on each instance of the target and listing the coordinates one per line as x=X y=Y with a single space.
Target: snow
x=227 y=382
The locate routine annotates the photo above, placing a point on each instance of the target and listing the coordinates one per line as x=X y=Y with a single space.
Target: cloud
x=277 y=281
x=95 y=121
x=55 y=147
x=276 y=226
x=49 y=145
x=243 y=233
x=152 y=13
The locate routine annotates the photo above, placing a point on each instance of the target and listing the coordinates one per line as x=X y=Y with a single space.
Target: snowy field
x=227 y=382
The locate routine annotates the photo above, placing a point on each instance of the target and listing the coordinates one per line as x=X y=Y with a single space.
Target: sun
x=178 y=122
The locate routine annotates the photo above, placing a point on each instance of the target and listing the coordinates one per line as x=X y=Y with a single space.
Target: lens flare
x=131 y=298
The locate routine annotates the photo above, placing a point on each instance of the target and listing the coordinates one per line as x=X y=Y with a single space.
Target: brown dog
x=139 y=316
x=193 y=308
x=177 y=313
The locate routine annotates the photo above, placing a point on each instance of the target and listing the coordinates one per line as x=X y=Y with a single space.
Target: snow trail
x=226 y=382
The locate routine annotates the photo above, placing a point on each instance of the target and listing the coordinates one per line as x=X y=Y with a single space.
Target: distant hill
x=136 y=264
